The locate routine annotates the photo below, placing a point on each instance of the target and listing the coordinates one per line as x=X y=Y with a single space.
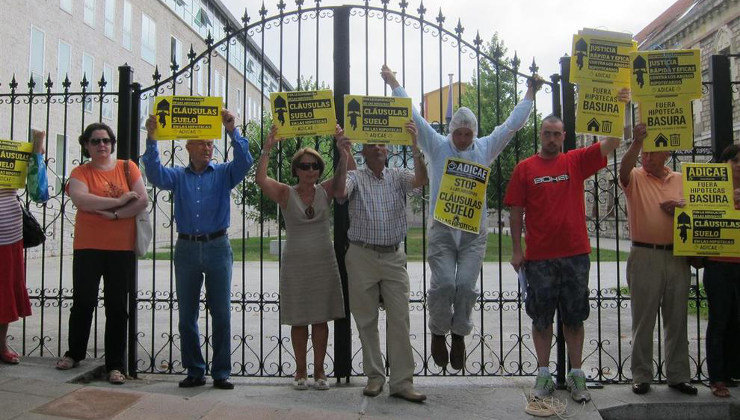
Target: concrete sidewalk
x=35 y=390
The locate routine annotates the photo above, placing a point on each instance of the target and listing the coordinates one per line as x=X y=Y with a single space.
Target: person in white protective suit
x=455 y=255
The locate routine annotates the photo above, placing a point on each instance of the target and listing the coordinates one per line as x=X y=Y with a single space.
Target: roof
x=664 y=20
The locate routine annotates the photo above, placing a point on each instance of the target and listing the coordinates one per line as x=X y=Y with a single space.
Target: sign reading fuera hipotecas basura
x=669 y=122
x=599 y=110
x=708 y=185
x=462 y=195
x=303 y=113
x=666 y=72
x=188 y=117
x=601 y=58
x=14 y=156
x=377 y=119
x=706 y=232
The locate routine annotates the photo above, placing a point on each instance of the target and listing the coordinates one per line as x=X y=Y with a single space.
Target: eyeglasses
x=96 y=142
x=304 y=166
x=309 y=212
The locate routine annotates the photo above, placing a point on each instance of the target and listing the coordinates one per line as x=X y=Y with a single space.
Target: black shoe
x=190 y=382
x=457 y=352
x=439 y=350
x=640 y=388
x=685 y=388
x=222 y=384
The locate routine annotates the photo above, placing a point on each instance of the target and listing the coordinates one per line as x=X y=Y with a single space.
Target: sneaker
x=577 y=386
x=543 y=387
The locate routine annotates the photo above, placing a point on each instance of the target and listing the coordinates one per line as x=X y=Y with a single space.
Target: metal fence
x=501 y=340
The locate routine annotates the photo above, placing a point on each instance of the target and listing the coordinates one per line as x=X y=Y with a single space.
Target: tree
x=492 y=112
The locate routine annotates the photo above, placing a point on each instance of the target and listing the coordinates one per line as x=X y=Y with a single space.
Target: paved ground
x=35 y=390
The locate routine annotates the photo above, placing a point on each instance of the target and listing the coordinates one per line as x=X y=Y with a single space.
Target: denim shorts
x=559 y=283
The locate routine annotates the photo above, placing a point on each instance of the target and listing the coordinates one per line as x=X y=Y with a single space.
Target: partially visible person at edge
x=108 y=194
x=455 y=256
x=310 y=286
x=376 y=263
x=657 y=279
x=722 y=285
x=202 y=253
x=14 y=301
x=547 y=189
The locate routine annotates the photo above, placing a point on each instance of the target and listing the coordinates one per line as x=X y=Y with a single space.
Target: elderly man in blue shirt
x=202 y=203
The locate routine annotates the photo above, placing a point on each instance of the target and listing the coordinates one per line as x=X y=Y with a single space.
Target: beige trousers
x=658 y=280
x=372 y=274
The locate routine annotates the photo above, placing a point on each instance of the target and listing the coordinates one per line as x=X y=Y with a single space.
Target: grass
x=413 y=249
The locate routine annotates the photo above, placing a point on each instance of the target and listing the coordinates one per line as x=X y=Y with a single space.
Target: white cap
x=464 y=118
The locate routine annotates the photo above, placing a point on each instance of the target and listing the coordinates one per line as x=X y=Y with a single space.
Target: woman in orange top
x=107 y=200
x=722 y=284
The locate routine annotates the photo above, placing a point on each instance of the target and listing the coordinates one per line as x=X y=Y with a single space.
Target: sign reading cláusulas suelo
x=303 y=113
x=377 y=119
x=188 y=117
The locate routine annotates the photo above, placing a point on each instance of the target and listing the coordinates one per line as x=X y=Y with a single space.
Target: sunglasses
x=306 y=166
x=96 y=142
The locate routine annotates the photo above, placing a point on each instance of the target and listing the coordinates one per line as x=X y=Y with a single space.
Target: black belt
x=667 y=247
x=377 y=248
x=202 y=238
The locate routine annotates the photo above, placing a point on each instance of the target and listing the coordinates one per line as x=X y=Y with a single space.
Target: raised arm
x=243 y=160
x=335 y=186
x=420 y=167
x=157 y=174
x=630 y=156
x=426 y=133
x=610 y=144
x=276 y=191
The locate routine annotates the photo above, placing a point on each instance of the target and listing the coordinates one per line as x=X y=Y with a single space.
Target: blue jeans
x=193 y=261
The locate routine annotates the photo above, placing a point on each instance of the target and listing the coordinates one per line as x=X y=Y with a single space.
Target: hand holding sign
x=272 y=138
x=151 y=127
x=38 y=141
x=669 y=206
x=639 y=132
x=389 y=77
x=228 y=119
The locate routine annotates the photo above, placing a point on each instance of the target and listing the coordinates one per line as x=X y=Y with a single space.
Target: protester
x=202 y=252
x=546 y=190
x=14 y=301
x=108 y=194
x=310 y=286
x=657 y=279
x=455 y=256
x=722 y=284
x=376 y=264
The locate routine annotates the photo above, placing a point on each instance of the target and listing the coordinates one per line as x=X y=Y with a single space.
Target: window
x=199 y=81
x=108 y=100
x=239 y=103
x=250 y=114
x=36 y=65
x=217 y=84
x=126 y=39
x=88 y=68
x=66 y=5
x=145 y=105
x=222 y=92
x=110 y=18
x=88 y=14
x=64 y=58
x=148 y=39
x=175 y=51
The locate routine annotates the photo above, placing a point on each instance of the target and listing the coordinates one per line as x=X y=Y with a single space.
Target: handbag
x=143 y=224
x=33 y=233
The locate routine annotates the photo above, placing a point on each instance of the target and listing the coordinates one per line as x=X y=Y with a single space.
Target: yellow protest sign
x=14 y=156
x=303 y=113
x=599 y=110
x=706 y=232
x=602 y=58
x=707 y=185
x=188 y=117
x=462 y=195
x=377 y=119
x=666 y=72
x=669 y=123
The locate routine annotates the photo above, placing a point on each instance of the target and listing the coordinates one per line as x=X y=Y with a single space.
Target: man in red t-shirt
x=548 y=189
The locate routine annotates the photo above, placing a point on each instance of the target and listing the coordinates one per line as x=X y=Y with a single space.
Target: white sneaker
x=577 y=386
x=544 y=386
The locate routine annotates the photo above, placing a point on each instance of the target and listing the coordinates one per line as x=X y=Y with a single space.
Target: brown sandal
x=66 y=363
x=719 y=390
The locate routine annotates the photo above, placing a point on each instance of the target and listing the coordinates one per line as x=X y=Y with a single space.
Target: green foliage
x=499 y=93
